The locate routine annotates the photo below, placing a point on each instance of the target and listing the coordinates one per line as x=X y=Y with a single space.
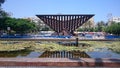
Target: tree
x=1 y=2
x=113 y=29
x=100 y=26
x=2 y=12
x=80 y=29
x=46 y=28
x=21 y=26
x=88 y=25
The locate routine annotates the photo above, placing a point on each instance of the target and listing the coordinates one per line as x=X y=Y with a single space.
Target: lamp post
x=8 y=28
x=76 y=38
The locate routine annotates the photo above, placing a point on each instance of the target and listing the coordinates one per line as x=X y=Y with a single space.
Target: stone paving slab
x=53 y=67
x=60 y=62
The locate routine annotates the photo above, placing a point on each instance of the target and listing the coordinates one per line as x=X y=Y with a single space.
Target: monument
x=65 y=24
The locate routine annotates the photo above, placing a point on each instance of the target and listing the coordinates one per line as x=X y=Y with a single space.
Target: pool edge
x=61 y=62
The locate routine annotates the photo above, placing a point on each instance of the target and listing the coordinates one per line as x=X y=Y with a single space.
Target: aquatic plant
x=113 y=45
x=11 y=46
x=53 y=46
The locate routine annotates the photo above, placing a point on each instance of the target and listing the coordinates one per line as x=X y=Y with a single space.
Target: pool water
x=103 y=53
x=46 y=54
x=60 y=54
x=27 y=53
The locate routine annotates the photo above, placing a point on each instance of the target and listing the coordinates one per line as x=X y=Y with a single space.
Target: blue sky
x=28 y=8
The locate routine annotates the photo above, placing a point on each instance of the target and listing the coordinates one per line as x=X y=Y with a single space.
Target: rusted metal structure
x=67 y=23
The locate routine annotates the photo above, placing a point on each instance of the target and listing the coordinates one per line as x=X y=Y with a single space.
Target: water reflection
x=14 y=53
x=46 y=54
x=60 y=54
x=103 y=53
x=31 y=55
x=96 y=53
x=64 y=54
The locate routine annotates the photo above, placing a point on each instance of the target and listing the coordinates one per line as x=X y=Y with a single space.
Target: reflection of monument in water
x=64 y=24
x=64 y=54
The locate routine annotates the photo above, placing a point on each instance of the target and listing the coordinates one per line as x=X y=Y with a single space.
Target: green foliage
x=113 y=29
x=46 y=28
x=113 y=45
x=1 y=2
x=86 y=29
x=50 y=46
x=23 y=26
x=100 y=26
x=2 y=12
x=80 y=29
x=18 y=25
x=13 y=46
